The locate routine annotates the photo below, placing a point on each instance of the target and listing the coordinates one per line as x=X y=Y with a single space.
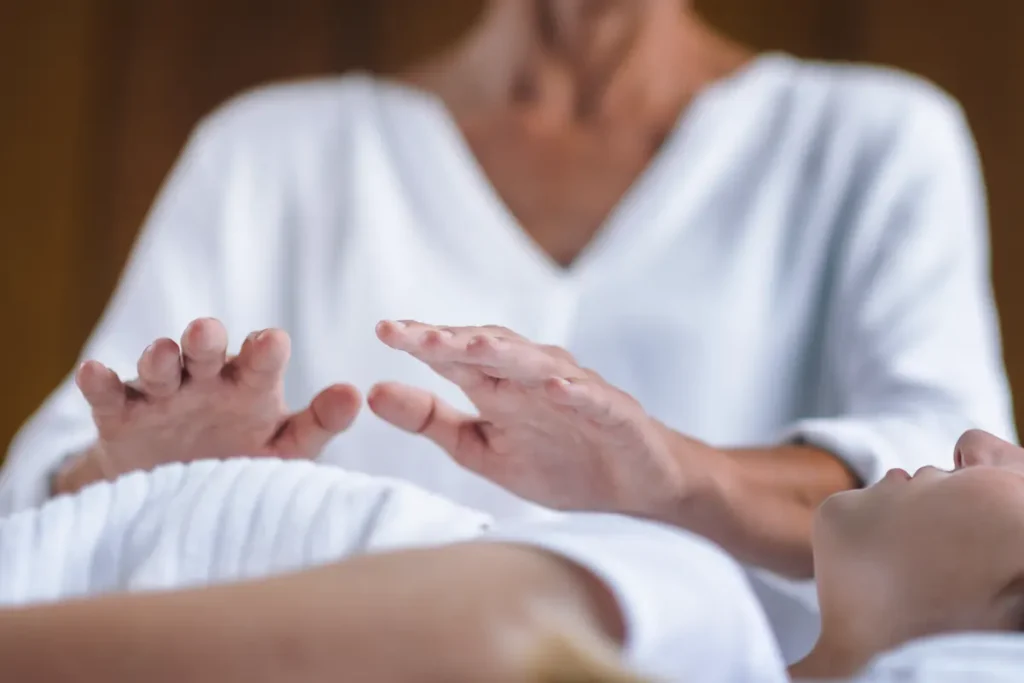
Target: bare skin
x=547 y=429
x=381 y=618
x=919 y=555
x=558 y=434
x=564 y=103
x=564 y=107
x=193 y=402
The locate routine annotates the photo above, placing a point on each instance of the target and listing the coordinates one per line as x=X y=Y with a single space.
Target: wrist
x=79 y=471
x=698 y=478
x=705 y=488
x=758 y=504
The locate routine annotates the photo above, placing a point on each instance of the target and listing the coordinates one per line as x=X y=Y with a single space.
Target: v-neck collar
x=439 y=165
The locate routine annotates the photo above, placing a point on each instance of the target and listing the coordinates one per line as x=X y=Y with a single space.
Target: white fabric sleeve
x=912 y=342
x=174 y=275
x=689 y=611
x=952 y=658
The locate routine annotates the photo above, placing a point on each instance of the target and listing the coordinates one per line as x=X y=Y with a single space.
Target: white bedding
x=209 y=522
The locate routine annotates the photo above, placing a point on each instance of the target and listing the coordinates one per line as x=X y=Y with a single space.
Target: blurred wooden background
x=98 y=96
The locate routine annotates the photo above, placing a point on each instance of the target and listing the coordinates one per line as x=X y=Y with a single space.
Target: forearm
x=422 y=615
x=760 y=503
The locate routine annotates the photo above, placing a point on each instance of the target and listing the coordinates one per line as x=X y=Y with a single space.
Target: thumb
x=421 y=412
x=306 y=433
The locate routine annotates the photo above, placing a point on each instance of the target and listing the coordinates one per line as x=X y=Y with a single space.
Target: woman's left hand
x=548 y=430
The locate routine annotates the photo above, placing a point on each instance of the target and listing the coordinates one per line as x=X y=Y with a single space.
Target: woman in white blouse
x=779 y=266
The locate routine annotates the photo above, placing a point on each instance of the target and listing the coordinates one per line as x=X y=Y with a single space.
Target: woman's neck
x=623 y=60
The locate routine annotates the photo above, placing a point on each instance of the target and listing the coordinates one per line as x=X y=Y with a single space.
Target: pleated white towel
x=214 y=521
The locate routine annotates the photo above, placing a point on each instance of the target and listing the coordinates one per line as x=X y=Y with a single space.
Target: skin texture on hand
x=548 y=430
x=193 y=402
x=559 y=435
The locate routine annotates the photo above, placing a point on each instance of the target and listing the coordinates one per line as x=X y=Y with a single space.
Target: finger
x=405 y=335
x=519 y=360
x=204 y=347
x=160 y=369
x=402 y=335
x=307 y=432
x=102 y=389
x=262 y=362
x=408 y=337
x=420 y=412
x=489 y=352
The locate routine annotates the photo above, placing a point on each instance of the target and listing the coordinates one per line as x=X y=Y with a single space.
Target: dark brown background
x=97 y=96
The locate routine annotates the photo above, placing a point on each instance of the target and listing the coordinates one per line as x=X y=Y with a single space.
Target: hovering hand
x=193 y=403
x=547 y=430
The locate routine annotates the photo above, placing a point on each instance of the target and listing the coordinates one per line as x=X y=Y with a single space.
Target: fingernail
x=260 y=335
x=399 y=324
x=446 y=333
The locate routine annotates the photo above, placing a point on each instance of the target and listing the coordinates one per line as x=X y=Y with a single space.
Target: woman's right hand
x=193 y=402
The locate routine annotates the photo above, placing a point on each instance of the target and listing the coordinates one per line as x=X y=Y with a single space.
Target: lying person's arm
x=676 y=604
x=426 y=615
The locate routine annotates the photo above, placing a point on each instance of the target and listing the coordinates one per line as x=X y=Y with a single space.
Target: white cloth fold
x=210 y=522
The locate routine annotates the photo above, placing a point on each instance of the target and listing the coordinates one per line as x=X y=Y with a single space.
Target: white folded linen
x=215 y=521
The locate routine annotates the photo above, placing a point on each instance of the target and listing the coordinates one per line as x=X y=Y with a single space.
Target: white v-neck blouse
x=806 y=258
